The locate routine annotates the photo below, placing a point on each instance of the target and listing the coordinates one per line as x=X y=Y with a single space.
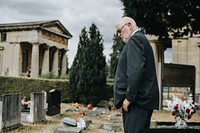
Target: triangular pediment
x=54 y=26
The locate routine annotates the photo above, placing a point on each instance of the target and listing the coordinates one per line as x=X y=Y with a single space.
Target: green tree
x=165 y=17
x=88 y=73
x=117 y=47
x=75 y=73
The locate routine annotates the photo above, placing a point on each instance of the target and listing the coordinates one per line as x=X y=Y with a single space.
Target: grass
x=68 y=110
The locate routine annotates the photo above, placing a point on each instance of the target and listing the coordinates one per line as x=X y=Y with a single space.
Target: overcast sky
x=73 y=14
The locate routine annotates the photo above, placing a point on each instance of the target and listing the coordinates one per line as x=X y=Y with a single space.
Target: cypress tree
x=97 y=65
x=117 y=47
x=89 y=68
x=75 y=74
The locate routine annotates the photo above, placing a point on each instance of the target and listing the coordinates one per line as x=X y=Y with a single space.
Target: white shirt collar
x=134 y=32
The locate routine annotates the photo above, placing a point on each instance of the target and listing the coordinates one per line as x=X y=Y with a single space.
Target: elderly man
x=136 y=88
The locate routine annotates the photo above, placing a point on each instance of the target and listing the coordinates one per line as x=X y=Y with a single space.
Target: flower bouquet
x=181 y=110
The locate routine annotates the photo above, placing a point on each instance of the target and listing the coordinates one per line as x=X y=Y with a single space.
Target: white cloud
x=73 y=14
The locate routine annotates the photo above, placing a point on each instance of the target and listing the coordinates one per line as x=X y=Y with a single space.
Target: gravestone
x=10 y=111
x=37 y=111
x=69 y=121
x=53 y=101
x=62 y=129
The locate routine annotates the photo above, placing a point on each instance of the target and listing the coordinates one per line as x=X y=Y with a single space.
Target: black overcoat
x=135 y=77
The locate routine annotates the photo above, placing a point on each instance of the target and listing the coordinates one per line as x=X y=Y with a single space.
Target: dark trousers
x=137 y=119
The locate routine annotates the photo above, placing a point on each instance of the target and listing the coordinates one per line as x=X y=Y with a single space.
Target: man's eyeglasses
x=120 y=30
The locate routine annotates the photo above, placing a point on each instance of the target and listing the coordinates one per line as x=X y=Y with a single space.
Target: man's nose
x=119 y=34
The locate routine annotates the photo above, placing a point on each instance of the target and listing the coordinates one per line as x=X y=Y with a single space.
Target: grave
x=53 y=101
x=170 y=130
x=10 y=111
x=37 y=111
x=62 y=129
x=169 y=127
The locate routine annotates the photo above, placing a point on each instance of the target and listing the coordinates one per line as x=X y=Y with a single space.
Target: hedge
x=25 y=86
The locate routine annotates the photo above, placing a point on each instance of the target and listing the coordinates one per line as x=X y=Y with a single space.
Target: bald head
x=125 y=27
x=126 y=20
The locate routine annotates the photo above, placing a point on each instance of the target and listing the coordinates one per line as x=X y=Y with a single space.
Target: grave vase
x=181 y=124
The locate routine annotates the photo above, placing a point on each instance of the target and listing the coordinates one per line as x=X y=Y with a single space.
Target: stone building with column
x=37 y=48
x=187 y=51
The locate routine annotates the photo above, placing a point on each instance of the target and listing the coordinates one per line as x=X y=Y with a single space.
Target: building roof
x=34 y=25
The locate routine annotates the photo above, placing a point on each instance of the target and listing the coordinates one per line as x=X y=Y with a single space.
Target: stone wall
x=187 y=51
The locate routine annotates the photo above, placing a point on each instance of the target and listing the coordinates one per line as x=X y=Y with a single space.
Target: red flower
x=188 y=110
x=176 y=107
x=89 y=106
x=173 y=113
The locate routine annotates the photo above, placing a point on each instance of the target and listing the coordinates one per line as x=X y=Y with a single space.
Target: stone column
x=158 y=50
x=16 y=60
x=155 y=51
x=35 y=61
x=55 y=63
x=64 y=65
x=161 y=50
x=1 y=62
x=45 y=63
x=198 y=73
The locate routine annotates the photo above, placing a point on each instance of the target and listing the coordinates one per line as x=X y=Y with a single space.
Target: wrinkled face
x=124 y=31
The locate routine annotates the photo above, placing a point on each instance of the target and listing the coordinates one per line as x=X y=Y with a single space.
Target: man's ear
x=129 y=24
